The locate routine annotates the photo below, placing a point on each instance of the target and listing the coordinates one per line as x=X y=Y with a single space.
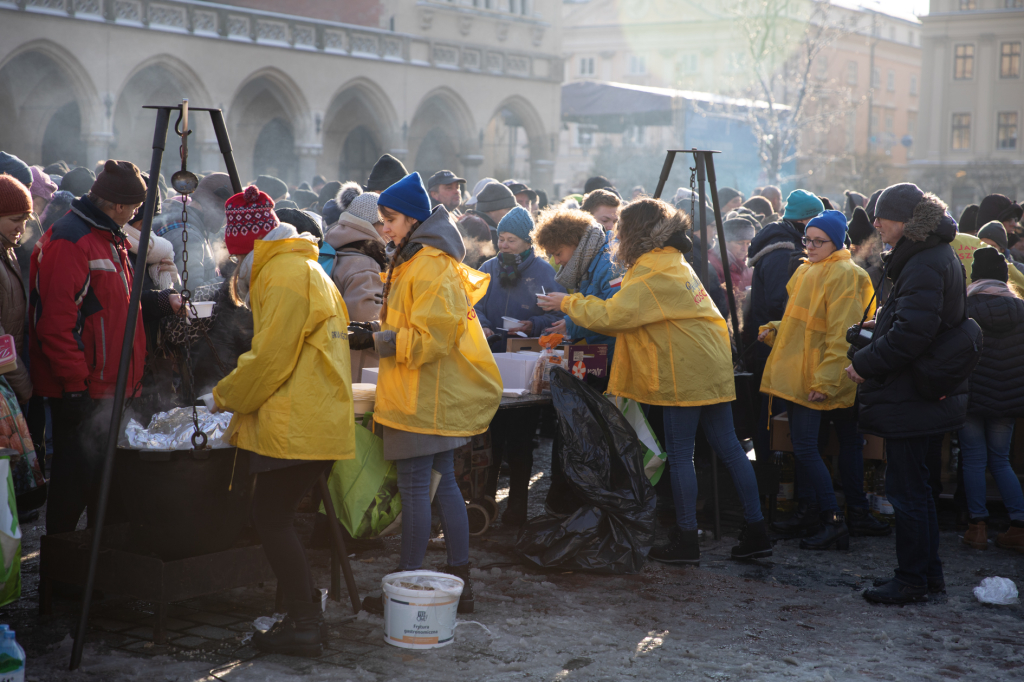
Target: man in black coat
x=927 y=298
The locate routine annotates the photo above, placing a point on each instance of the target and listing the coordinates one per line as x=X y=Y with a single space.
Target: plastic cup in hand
x=203 y=308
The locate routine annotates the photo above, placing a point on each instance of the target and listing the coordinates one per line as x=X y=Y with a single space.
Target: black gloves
x=76 y=407
x=360 y=336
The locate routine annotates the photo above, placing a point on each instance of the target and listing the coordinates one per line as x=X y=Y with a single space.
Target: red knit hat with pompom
x=250 y=216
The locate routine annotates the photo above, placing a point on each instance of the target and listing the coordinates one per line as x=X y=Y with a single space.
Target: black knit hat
x=275 y=188
x=897 y=202
x=387 y=171
x=727 y=194
x=853 y=200
x=599 y=182
x=994 y=231
x=16 y=168
x=305 y=198
x=301 y=221
x=77 y=181
x=870 y=208
x=998 y=207
x=989 y=264
x=968 y=220
x=860 y=229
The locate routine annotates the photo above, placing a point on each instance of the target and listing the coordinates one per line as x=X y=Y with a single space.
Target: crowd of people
x=882 y=316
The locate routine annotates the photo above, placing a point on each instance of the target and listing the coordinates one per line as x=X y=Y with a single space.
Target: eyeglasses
x=816 y=243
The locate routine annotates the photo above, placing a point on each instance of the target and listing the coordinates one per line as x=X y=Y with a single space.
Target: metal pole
x=159 y=140
x=225 y=148
x=665 y=170
x=734 y=313
x=698 y=159
x=339 y=543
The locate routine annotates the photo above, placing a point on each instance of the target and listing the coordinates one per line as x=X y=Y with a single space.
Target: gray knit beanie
x=995 y=231
x=364 y=207
x=898 y=202
x=494 y=197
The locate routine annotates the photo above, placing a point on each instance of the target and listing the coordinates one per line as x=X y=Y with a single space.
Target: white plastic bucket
x=420 y=618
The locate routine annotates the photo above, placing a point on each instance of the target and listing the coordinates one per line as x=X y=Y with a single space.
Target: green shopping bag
x=654 y=457
x=365 y=489
x=10 y=538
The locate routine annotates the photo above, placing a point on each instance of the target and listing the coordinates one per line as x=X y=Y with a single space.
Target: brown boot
x=1013 y=539
x=976 y=535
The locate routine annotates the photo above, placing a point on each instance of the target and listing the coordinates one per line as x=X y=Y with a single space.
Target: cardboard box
x=874 y=447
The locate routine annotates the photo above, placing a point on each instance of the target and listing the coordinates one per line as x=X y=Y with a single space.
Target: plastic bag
x=10 y=537
x=603 y=460
x=996 y=590
x=654 y=457
x=547 y=360
x=365 y=489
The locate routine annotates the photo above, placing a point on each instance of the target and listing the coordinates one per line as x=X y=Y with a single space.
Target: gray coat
x=202 y=264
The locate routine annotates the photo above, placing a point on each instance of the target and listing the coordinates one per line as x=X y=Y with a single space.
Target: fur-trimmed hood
x=930 y=216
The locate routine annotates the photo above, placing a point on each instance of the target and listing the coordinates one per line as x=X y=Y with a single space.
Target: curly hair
x=645 y=225
x=560 y=227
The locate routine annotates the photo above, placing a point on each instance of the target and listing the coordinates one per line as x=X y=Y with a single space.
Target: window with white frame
x=1009 y=60
x=688 y=63
x=963 y=62
x=586 y=66
x=1006 y=130
x=961 y=132
x=636 y=64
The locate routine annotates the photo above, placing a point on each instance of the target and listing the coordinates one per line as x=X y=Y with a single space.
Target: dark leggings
x=277 y=496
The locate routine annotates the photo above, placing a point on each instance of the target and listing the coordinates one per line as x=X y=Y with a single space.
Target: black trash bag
x=613 y=529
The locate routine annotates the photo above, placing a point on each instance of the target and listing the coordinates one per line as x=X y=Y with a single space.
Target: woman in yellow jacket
x=672 y=349
x=828 y=293
x=291 y=396
x=438 y=383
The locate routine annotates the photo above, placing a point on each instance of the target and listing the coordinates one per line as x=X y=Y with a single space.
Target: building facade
x=468 y=85
x=972 y=99
x=861 y=116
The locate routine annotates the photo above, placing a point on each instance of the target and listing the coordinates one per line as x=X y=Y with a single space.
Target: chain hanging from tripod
x=693 y=195
x=185 y=183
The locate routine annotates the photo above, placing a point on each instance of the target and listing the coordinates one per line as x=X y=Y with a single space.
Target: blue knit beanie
x=517 y=222
x=832 y=223
x=408 y=197
x=802 y=205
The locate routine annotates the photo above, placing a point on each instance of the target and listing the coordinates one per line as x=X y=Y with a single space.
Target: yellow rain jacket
x=292 y=393
x=672 y=345
x=443 y=379
x=809 y=344
x=964 y=245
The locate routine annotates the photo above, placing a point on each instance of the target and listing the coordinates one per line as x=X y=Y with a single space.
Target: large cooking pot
x=178 y=502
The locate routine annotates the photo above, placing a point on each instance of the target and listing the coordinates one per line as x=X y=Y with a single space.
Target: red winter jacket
x=78 y=306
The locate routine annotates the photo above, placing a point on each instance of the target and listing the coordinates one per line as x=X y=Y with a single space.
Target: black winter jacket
x=927 y=298
x=997 y=384
x=774 y=254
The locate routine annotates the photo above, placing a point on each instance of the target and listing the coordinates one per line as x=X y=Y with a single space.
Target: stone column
x=471 y=163
x=97 y=148
x=207 y=157
x=542 y=175
x=309 y=159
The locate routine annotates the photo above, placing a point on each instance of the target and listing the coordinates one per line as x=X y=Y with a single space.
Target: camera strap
x=874 y=294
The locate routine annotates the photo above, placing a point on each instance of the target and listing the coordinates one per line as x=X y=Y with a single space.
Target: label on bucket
x=429 y=624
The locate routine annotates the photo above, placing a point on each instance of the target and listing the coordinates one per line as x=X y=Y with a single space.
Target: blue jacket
x=597 y=282
x=520 y=301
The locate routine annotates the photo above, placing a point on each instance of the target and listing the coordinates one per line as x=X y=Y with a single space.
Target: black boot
x=863 y=524
x=515 y=512
x=297 y=635
x=895 y=592
x=754 y=542
x=834 y=532
x=683 y=547
x=803 y=523
x=466 y=601
x=935 y=585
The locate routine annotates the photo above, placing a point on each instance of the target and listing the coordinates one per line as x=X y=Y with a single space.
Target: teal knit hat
x=802 y=205
x=517 y=222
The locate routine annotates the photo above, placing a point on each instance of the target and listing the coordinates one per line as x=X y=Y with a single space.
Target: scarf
x=991 y=287
x=904 y=250
x=508 y=267
x=588 y=248
x=159 y=249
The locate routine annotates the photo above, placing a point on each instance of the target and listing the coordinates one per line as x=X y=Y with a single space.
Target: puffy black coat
x=927 y=298
x=997 y=384
x=774 y=254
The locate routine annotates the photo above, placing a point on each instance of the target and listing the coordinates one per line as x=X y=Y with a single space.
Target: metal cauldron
x=178 y=502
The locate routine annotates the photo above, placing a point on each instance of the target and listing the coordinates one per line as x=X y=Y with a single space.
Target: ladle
x=184 y=181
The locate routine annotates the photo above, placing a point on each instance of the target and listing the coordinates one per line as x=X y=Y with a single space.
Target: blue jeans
x=987 y=441
x=851 y=458
x=680 y=433
x=414 y=486
x=917 y=526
